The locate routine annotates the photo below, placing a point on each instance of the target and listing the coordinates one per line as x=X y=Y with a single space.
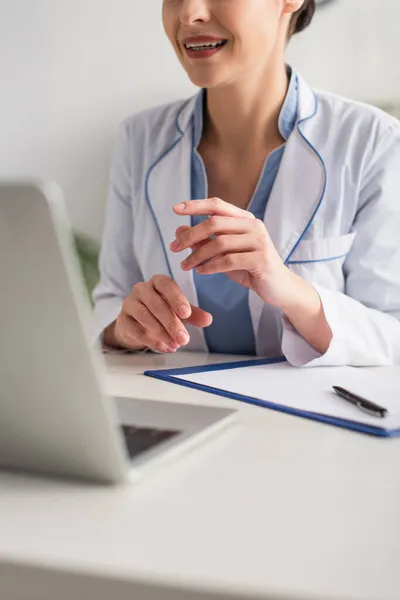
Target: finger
x=149 y=323
x=209 y=228
x=244 y=261
x=132 y=334
x=200 y=318
x=221 y=245
x=159 y=298
x=173 y=295
x=183 y=228
x=212 y=206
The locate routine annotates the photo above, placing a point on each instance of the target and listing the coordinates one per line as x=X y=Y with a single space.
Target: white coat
x=333 y=215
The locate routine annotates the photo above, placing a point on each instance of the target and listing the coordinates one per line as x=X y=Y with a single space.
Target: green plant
x=88 y=254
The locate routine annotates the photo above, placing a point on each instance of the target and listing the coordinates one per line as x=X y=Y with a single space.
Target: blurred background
x=71 y=70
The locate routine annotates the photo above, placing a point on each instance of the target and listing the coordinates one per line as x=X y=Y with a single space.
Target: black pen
x=363 y=404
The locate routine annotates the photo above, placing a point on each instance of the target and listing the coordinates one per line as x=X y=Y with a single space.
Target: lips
x=203 y=46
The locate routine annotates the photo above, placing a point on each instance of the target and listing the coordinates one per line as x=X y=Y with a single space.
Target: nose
x=194 y=11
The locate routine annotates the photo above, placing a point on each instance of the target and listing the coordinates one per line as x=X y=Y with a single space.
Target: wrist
x=301 y=296
x=111 y=339
x=305 y=311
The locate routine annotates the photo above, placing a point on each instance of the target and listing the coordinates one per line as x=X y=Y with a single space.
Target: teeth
x=204 y=46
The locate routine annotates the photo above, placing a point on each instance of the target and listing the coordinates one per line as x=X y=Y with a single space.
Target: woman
x=293 y=246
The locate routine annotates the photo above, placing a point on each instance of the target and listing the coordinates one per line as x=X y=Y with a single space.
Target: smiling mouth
x=205 y=46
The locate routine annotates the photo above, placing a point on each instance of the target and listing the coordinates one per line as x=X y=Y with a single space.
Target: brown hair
x=302 y=18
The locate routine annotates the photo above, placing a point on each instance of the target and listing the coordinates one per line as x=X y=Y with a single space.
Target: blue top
x=232 y=331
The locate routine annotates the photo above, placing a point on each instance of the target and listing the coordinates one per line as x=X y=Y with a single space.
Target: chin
x=206 y=80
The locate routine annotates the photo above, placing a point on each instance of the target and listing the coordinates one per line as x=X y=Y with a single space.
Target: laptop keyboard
x=141 y=439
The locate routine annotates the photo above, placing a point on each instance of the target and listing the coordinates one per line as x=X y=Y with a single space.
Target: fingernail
x=200 y=269
x=184 y=264
x=183 y=338
x=180 y=206
x=184 y=311
x=173 y=345
x=174 y=245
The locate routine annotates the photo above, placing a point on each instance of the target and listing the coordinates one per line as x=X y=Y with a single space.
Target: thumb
x=199 y=318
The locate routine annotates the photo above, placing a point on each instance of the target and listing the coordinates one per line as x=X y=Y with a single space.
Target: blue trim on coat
x=318 y=260
x=149 y=172
x=325 y=182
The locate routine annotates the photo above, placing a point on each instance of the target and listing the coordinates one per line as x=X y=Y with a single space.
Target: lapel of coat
x=169 y=182
x=297 y=194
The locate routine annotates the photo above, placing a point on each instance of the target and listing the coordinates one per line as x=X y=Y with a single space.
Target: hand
x=234 y=242
x=152 y=317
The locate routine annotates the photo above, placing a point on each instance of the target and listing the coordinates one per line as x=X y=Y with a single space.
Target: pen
x=363 y=404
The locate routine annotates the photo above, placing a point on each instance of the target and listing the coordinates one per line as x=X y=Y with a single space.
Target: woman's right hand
x=152 y=317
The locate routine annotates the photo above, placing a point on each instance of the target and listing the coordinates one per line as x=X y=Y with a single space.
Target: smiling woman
x=259 y=217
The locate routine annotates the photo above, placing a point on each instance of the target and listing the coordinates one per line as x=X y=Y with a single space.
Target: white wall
x=353 y=48
x=70 y=70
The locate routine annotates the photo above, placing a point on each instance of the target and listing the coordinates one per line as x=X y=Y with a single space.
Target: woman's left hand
x=234 y=242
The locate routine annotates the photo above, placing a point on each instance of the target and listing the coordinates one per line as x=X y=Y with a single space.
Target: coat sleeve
x=119 y=268
x=365 y=320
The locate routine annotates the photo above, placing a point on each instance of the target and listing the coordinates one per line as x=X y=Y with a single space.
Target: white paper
x=311 y=389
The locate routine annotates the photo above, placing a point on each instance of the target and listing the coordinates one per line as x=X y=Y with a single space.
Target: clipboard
x=196 y=378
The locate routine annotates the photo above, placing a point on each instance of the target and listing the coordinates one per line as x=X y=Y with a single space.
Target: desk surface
x=274 y=507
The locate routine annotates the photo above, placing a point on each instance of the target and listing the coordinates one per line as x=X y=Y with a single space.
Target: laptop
x=55 y=418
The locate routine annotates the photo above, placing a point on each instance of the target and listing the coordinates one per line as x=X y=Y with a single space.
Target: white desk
x=275 y=507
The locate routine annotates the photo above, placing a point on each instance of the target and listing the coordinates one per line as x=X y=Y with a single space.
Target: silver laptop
x=54 y=416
